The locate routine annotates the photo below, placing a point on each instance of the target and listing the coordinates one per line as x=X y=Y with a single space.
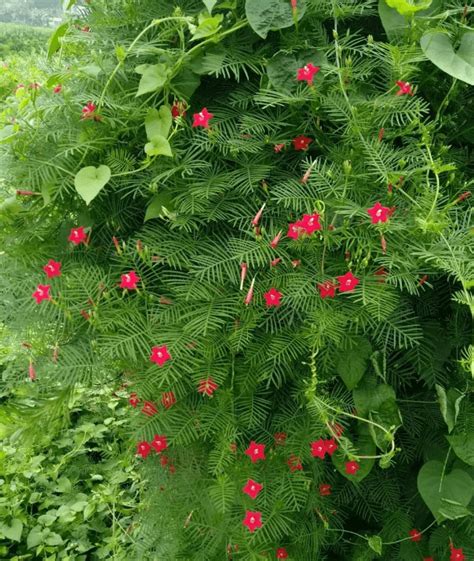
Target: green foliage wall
x=156 y=166
x=21 y=39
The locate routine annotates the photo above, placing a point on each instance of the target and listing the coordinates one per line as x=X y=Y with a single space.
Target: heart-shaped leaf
x=352 y=363
x=207 y=26
x=161 y=205
x=54 y=42
x=395 y=24
x=438 y=48
x=448 y=496
x=209 y=5
x=158 y=122
x=90 y=181
x=463 y=446
x=409 y=7
x=449 y=404
x=375 y=544
x=158 y=146
x=13 y=531
x=364 y=446
x=153 y=78
x=265 y=15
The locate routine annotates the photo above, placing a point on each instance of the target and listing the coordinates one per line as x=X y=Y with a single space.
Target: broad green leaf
x=351 y=364
x=207 y=26
x=90 y=181
x=266 y=15
x=35 y=537
x=153 y=78
x=438 y=48
x=463 y=446
x=53 y=539
x=409 y=7
x=364 y=446
x=449 y=404
x=375 y=544
x=456 y=490
x=282 y=68
x=158 y=122
x=396 y=24
x=209 y=5
x=185 y=83
x=388 y=416
x=13 y=531
x=54 y=42
x=161 y=205
x=158 y=146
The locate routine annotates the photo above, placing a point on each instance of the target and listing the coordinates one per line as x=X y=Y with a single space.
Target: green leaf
x=209 y=5
x=455 y=489
x=68 y=4
x=266 y=15
x=395 y=24
x=375 y=544
x=158 y=146
x=438 y=48
x=7 y=134
x=161 y=205
x=158 y=122
x=154 y=77
x=364 y=446
x=351 y=364
x=409 y=7
x=53 y=539
x=90 y=181
x=282 y=68
x=463 y=446
x=35 y=537
x=185 y=83
x=54 y=42
x=449 y=404
x=12 y=532
x=207 y=26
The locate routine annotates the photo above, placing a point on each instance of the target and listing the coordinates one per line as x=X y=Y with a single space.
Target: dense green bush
x=275 y=257
x=15 y=38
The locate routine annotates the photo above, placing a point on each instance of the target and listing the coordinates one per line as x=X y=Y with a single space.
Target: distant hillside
x=42 y=13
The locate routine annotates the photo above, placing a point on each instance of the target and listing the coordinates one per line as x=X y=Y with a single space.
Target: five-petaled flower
x=280 y=438
x=327 y=289
x=149 y=409
x=331 y=446
x=88 y=111
x=307 y=73
x=352 y=468
x=207 y=386
x=273 y=297
x=294 y=230
x=159 y=443
x=302 y=142
x=252 y=488
x=310 y=223
x=160 y=355
x=347 y=282
x=318 y=448
x=255 y=451
x=404 y=88
x=52 y=269
x=143 y=449
x=133 y=399
x=77 y=235
x=168 y=399
x=379 y=213
x=129 y=280
x=252 y=520
x=282 y=553
x=202 y=118
x=456 y=554
x=324 y=489
x=42 y=293
x=415 y=535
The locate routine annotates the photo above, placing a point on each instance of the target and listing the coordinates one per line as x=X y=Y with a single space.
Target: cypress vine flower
x=324 y=489
x=379 y=213
x=129 y=280
x=302 y=142
x=307 y=73
x=415 y=535
x=273 y=297
x=143 y=449
x=202 y=118
x=310 y=223
x=294 y=463
x=330 y=446
x=276 y=240
x=42 y=293
x=347 y=282
x=168 y=399
x=405 y=88
x=255 y=451
x=252 y=488
x=278 y=147
x=160 y=355
x=352 y=467
x=252 y=520
x=57 y=89
x=52 y=269
x=327 y=289
x=32 y=372
x=133 y=400
x=280 y=438
x=149 y=409
x=456 y=554
x=159 y=443
x=77 y=235
x=282 y=553
x=207 y=387
x=249 y=296
x=318 y=449
x=88 y=111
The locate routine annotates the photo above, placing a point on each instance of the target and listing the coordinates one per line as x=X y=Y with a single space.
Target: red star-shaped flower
x=129 y=280
x=202 y=118
x=149 y=409
x=159 y=443
x=324 y=489
x=294 y=230
x=331 y=446
x=255 y=451
x=405 y=88
x=168 y=399
x=77 y=235
x=318 y=448
x=207 y=386
x=282 y=553
x=143 y=449
x=379 y=213
x=327 y=289
x=457 y=554
x=52 y=269
x=160 y=355
x=42 y=293
x=352 y=468
x=133 y=400
x=88 y=111
x=307 y=73
x=302 y=142
x=310 y=223
x=252 y=520
x=415 y=535
x=347 y=282
x=252 y=488
x=280 y=438
x=273 y=297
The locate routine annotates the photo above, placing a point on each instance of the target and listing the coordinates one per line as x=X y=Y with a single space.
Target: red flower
x=88 y=111
x=379 y=213
x=415 y=535
x=324 y=489
x=307 y=73
x=168 y=399
x=57 y=89
x=77 y=235
x=282 y=553
x=249 y=296
x=352 y=468
x=160 y=355
x=159 y=443
x=330 y=446
x=202 y=119
x=278 y=147
x=327 y=289
x=207 y=387
x=129 y=280
x=280 y=438
x=243 y=274
x=456 y=554
x=255 y=451
x=310 y=223
x=257 y=217
x=294 y=464
x=252 y=520
x=133 y=400
x=252 y=488
x=143 y=449
x=52 y=269
x=405 y=88
x=302 y=142
x=42 y=293
x=276 y=240
x=347 y=282
x=294 y=230
x=178 y=109
x=272 y=297
x=294 y=4
x=275 y=261
x=32 y=372
x=149 y=409
x=318 y=448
